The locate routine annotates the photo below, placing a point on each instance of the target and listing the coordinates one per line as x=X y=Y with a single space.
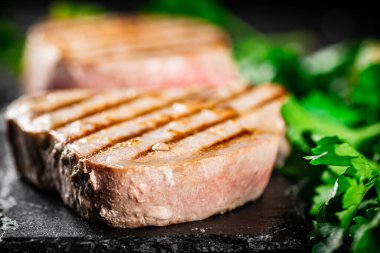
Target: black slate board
x=45 y=225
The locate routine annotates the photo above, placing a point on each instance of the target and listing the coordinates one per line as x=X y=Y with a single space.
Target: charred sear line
x=112 y=123
x=143 y=113
x=222 y=143
x=128 y=137
x=61 y=106
x=204 y=127
x=146 y=51
x=158 y=124
x=182 y=135
x=120 y=26
x=109 y=33
x=93 y=112
x=187 y=37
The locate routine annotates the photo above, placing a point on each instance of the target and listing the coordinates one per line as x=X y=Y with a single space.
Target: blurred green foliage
x=11 y=46
x=71 y=9
x=209 y=10
x=12 y=40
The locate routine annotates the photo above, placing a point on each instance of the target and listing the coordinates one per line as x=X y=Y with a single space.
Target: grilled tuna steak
x=118 y=51
x=134 y=159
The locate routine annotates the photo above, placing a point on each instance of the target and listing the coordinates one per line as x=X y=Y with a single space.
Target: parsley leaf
x=300 y=121
x=365 y=232
x=365 y=80
x=336 y=213
x=327 y=69
x=332 y=108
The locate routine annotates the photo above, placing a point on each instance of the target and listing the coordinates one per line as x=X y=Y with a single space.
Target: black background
x=332 y=21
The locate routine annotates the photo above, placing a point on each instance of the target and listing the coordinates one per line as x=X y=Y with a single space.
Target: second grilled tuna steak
x=134 y=159
x=117 y=51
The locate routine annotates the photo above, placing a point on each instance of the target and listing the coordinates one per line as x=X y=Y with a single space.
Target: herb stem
x=365 y=133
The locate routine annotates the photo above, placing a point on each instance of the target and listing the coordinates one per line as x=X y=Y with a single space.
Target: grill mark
x=90 y=113
x=207 y=126
x=107 y=31
x=224 y=142
x=62 y=106
x=110 y=34
x=144 y=131
x=132 y=55
x=148 y=40
x=128 y=137
x=138 y=51
x=111 y=25
x=181 y=135
x=116 y=122
x=100 y=127
x=213 y=137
